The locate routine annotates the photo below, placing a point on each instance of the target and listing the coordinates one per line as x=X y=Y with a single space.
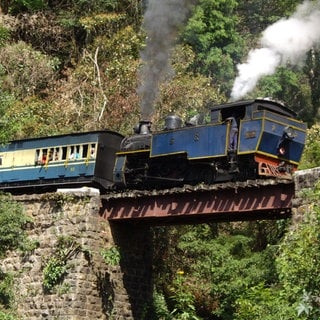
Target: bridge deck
x=250 y=200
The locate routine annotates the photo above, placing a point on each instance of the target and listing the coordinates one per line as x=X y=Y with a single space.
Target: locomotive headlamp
x=289 y=133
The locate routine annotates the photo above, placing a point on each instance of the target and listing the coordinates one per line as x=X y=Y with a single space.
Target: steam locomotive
x=240 y=140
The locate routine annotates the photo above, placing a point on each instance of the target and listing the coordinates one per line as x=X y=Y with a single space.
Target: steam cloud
x=287 y=40
x=162 y=21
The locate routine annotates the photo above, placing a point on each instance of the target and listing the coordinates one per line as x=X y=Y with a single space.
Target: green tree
x=311 y=153
x=212 y=34
x=209 y=268
x=12 y=236
x=299 y=260
x=24 y=71
x=12 y=224
x=18 y=6
x=290 y=86
x=295 y=293
x=312 y=70
x=256 y=15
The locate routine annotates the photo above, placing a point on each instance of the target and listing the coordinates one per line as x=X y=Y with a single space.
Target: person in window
x=232 y=148
x=44 y=158
x=233 y=133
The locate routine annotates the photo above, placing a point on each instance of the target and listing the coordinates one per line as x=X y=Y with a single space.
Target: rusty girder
x=251 y=200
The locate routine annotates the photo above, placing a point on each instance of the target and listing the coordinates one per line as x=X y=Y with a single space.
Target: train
x=236 y=141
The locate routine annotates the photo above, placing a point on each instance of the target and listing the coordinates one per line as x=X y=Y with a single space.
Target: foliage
x=12 y=224
x=182 y=299
x=312 y=69
x=102 y=23
x=7 y=316
x=210 y=267
x=299 y=262
x=8 y=124
x=53 y=272
x=99 y=93
x=31 y=117
x=263 y=302
x=85 y=6
x=25 y=72
x=290 y=86
x=311 y=154
x=212 y=34
x=111 y=256
x=46 y=33
x=12 y=237
x=160 y=306
x=17 y=6
x=4 y=35
x=295 y=295
x=56 y=267
x=186 y=94
x=6 y=290
x=256 y=15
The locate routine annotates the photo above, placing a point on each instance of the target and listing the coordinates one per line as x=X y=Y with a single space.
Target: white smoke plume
x=162 y=22
x=285 y=41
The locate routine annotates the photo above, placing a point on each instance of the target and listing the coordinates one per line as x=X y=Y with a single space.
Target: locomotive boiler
x=242 y=140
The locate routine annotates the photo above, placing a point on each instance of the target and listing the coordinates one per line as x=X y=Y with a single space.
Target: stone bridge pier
x=135 y=245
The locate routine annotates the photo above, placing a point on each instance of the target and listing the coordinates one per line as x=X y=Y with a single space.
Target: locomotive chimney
x=144 y=127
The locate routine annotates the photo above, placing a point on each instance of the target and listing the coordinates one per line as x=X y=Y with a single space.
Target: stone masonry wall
x=92 y=288
x=303 y=180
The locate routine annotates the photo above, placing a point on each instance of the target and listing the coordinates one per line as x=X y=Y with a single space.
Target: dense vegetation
x=72 y=66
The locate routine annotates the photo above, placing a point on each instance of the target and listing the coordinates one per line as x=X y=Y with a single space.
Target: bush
x=24 y=71
x=12 y=223
x=311 y=154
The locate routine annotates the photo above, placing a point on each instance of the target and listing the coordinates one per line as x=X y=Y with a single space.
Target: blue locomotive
x=242 y=140
x=65 y=160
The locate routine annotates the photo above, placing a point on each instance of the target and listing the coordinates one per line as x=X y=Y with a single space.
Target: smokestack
x=287 y=40
x=162 y=22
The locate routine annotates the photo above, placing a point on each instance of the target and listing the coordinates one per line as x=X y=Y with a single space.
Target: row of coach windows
x=83 y=151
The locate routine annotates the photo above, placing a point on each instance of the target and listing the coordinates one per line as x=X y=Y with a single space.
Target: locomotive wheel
x=206 y=174
x=200 y=173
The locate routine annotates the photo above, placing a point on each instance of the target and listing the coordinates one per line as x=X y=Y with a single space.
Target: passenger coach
x=66 y=160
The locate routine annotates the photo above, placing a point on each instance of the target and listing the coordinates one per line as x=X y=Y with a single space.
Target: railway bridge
x=121 y=226
x=232 y=201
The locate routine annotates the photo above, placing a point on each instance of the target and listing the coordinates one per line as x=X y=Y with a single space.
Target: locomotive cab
x=270 y=138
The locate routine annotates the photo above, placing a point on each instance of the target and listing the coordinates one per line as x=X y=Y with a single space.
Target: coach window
x=1 y=160
x=56 y=154
x=71 y=152
x=37 y=157
x=64 y=153
x=93 y=150
x=50 y=154
x=77 y=152
x=85 y=151
x=44 y=156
